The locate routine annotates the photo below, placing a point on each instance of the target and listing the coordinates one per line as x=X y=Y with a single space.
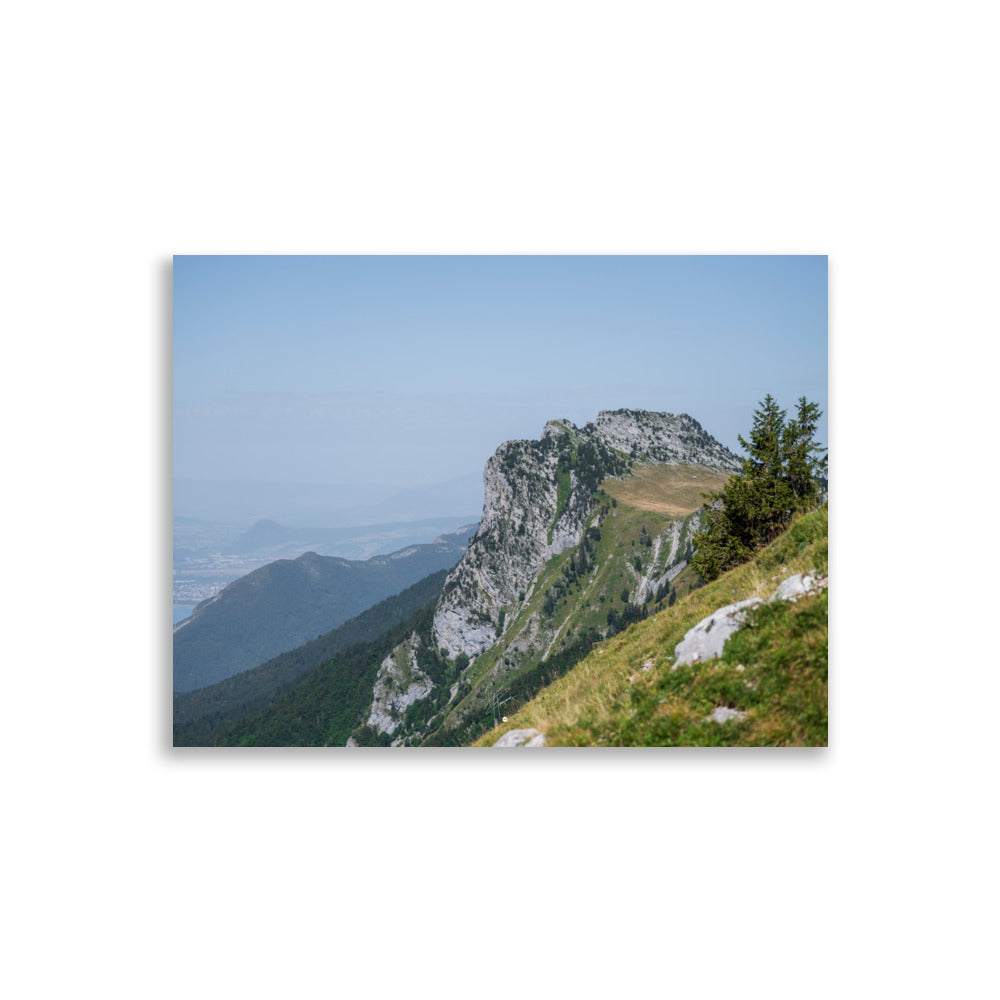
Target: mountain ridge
x=290 y=601
x=510 y=606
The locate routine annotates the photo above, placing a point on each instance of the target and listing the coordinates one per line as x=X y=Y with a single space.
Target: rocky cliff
x=556 y=564
x=538 y=496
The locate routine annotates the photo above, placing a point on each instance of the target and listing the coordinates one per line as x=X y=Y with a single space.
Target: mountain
x=584 y=531
x=539 y=497
x=558 y=563
x=291 y=601
x=767 y=688
x=203 y=715
x=262 y=535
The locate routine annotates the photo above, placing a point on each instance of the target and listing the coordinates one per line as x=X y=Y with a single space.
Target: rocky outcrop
x=798 y=586
x=662 y=437
x=672 y=550
x=521 y=529
x=706 y=639
x=399 y=683
x=522 y=738
x=538 y=497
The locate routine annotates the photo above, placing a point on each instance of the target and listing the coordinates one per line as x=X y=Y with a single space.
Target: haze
x=377 y=374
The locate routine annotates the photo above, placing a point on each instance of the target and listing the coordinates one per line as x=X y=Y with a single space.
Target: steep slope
x=286 y=603
x=538 y=496
x=583 y=532
x=557 y=564
x=328 y=703
x=770 y=683
x=202 y=715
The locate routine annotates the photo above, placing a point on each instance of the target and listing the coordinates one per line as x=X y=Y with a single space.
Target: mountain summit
x=556 y=564
x=539 y=495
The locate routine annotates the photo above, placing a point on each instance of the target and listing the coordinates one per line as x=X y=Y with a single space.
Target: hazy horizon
x=375 y=375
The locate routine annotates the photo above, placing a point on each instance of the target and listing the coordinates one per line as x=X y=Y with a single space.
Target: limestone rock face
x=518 y=534
x=663 y=437
x=399 y=683
x=537 y=501
x=671 y=550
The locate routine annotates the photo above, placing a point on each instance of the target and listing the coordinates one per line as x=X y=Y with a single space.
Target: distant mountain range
x=291 y=601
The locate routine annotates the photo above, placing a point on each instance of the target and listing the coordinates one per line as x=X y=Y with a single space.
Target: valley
x=209 y=555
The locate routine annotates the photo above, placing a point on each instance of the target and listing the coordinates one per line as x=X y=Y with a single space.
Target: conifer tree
x=780 y=476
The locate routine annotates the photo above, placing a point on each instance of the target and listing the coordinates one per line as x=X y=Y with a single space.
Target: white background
x=860 y=130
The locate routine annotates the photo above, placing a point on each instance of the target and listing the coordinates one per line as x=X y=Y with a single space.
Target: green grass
x=610 y=699
x=782 y=687
x=562 y=498
x=580 y=611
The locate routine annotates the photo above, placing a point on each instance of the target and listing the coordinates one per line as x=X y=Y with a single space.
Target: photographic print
x=500 y=501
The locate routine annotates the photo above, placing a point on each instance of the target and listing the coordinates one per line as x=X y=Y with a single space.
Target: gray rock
x=724 y=714
x=521 y=737
x=794 y=587
x=519 y=531
x=706 y=640
x=398 y=684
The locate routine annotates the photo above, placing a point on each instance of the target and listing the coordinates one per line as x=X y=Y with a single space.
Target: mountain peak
x=555 y=428
x=539 y=498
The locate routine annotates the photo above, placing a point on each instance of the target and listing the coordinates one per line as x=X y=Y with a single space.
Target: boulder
x=794 y=587
x=706 y=639
x=521 y=738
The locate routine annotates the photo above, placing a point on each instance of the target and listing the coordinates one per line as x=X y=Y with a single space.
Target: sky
x=406 y=371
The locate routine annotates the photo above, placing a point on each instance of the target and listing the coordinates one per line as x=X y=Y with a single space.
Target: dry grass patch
x=671 y=490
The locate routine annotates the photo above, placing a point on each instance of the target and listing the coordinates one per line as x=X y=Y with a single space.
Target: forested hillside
x=330 y=702
x=202 y=715
x=292 y=601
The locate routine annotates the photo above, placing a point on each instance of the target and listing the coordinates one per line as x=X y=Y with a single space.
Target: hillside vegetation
x=201 y=716
x=589 y=566
x=671 y=490
x=292 y=601
x=617 y=575
x=625 y=692
x=329 y=702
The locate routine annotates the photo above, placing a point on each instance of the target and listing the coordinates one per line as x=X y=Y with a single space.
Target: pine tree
x=780 y=476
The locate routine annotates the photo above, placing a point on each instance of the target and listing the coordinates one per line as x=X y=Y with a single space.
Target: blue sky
x=410 y=370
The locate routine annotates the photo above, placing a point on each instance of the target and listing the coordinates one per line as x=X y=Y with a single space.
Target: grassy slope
x=672 y=490
x=584 y=605
x=202 y=715
x=609 y=699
